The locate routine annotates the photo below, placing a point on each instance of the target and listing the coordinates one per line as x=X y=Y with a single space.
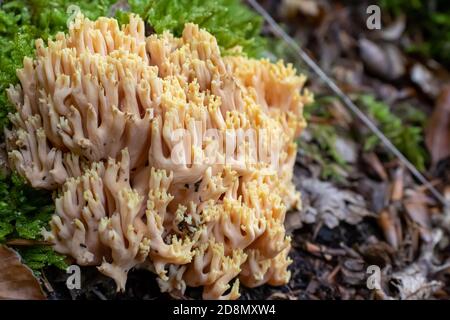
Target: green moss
x=405 y=133
x=230 y=21
x=39 y=257
x=23 y=213
x=322 y=148
x=331 y=169
x=23 y=210
x=434 y=26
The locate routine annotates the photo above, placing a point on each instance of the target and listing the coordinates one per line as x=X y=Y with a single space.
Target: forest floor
x=362 y=210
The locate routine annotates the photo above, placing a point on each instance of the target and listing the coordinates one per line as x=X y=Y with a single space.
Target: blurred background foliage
x=428 y=23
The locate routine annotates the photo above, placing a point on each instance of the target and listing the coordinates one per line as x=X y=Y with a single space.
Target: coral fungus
x=163 y=154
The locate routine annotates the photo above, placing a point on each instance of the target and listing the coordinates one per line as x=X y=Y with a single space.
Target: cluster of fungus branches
x=97 y=112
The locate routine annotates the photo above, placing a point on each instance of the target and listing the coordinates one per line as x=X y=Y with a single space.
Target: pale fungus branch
x=164 y=154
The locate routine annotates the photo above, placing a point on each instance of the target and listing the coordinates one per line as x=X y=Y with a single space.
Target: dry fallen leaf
x=375 y=163
x=412 y=283
x=425 y=79
x=324 y=203
x=17 y=280
x=437 y=135
x=417 y=209
x=347 y=149
x=393 y=31
x=307 y=7
x=293 y=221
x=397 y=184
x=353 y=271
x=385 y=61
x=390 y=225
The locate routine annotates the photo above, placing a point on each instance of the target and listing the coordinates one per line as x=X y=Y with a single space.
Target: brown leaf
x=417 y=209
x=293 y=221
x=347 y=149
x=425 y=79
x=373 y=160
x=325 y=203
x=17 y=280
x=377 y=252
x=397 y=184
x=307 y=7
x=437 y=135
x=385 y=61
x=395 y=30
x=389 y=222
x=27 y=242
